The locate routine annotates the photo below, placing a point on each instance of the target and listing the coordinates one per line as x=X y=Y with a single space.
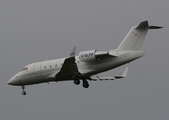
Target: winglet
x=72 y=54
x=123 y=75
x=125 y=72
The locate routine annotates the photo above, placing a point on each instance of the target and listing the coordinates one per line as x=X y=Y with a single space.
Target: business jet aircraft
x=87 y=64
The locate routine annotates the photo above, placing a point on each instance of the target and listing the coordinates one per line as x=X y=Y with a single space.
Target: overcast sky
x=35 y=30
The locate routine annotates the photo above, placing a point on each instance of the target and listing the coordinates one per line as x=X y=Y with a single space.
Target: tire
x=77 y=82
x=23 y=93
x=85 y=84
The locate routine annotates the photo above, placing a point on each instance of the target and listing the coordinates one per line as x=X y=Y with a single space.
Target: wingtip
x=72 y=54
x=125 y=72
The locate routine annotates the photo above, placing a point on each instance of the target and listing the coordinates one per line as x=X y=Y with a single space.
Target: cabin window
x=56 y=65
x=44 y=67
x=24 y=69
x=50 y=66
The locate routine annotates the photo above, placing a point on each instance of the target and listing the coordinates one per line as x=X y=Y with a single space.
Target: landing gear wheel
x=23 y=93
x=85 y=84
x=77 y=82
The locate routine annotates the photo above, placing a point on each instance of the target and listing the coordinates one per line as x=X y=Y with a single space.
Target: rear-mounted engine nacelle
x=87 y=56
x=91 y=55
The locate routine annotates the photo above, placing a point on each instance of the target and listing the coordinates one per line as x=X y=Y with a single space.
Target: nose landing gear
x=23 y=92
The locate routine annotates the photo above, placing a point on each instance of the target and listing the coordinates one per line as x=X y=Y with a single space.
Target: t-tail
x=134 y=39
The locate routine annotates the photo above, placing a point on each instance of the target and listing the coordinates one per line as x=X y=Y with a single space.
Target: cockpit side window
x=26 y=68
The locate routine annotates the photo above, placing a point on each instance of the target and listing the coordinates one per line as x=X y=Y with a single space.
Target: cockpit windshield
x=26 y=68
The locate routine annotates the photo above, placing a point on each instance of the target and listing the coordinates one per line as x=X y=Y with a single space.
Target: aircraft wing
x=95 y=78
x=69 y=68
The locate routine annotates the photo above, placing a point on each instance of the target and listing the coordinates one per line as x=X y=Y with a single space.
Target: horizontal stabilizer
x=155 y=27
x=144 y=24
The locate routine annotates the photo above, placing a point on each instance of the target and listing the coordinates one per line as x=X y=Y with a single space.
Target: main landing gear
x=23 y=92
x=85 y=83
x=76 y=81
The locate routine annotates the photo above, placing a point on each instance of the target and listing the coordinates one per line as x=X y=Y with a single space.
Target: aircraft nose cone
x=10 y=82
x=13 y=81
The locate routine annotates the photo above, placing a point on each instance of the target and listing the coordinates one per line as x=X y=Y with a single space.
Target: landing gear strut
x=23 y=92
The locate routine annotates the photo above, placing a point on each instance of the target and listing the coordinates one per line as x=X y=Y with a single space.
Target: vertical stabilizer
x=135 y=37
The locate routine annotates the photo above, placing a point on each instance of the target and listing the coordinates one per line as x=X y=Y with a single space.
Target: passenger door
x=37 y=69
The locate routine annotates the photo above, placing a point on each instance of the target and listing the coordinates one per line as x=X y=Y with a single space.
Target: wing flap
x=95 y=78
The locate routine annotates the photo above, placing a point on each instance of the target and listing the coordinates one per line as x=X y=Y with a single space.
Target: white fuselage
x=86 y=64
x=45 y=71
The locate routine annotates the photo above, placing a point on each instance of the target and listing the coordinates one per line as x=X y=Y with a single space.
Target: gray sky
x=35 y=30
